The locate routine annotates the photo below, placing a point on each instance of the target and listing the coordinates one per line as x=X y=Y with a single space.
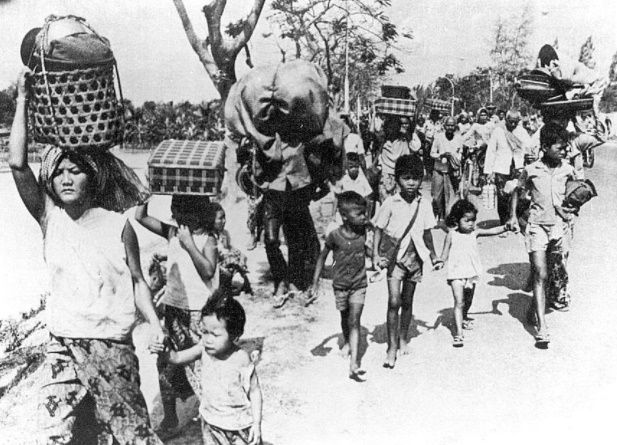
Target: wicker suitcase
x=438 y=104
x=398 y=107
x=187 y=167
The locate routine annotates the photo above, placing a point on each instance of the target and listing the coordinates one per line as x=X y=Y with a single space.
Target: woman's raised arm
x=31 y=194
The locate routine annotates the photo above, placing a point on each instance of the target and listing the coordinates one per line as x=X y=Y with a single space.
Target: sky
x=157 y=63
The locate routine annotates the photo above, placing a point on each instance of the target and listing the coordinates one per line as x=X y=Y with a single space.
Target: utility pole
x=346 y=107
x=490 y=81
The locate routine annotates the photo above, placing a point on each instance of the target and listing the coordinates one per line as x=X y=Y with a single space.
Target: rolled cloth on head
x=513 y=114
x=289 y=99
x=117 y=186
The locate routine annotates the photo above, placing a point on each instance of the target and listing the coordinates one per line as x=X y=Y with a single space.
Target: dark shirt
x=349 y=269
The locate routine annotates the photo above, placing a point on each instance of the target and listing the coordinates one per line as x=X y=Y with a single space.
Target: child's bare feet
x=403 y=347
x=390 y=360
x=345 y=350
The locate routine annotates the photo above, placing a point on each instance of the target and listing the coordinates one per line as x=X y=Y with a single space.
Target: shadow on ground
x=519 y=305
x=510 y=275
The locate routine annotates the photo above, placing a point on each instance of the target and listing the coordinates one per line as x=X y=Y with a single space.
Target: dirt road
x=497 y=389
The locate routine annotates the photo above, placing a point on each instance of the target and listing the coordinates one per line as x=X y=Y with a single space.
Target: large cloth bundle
x=289 y=99
x=286 y=105
x=74 y=102
x=65 y=42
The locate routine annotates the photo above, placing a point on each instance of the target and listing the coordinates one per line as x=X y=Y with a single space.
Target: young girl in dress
x=231 y=400
x=460 y=252
x=231 y=260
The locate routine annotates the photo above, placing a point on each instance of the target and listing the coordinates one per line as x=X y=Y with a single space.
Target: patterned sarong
x=90 y=394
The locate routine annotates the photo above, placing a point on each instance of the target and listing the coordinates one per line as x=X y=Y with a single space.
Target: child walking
x=549 y=226
x=349 y=283
x=191 y=278
x=464 y=268
x=231 y=260
x=231 y=400
x=403 y=241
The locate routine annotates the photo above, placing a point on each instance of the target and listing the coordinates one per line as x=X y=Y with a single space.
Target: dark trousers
x=503 y=199
x=290 y=209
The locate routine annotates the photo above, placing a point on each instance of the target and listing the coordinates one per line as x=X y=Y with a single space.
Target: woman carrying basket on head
x=90 y=381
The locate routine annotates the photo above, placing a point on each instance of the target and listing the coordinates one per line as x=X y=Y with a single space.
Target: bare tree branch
x=249 y=26
x=200 y=47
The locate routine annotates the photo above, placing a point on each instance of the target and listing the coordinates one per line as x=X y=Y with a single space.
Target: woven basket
x=437 y=104
x=397 y=107
x=187 y=167
x=77 y=109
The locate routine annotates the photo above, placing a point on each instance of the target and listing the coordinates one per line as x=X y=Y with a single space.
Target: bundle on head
x=74 y=102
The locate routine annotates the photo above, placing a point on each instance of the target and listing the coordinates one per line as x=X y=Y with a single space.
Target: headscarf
x=117 y=186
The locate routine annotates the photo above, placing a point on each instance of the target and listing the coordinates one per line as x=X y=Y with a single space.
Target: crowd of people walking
x=384 y=224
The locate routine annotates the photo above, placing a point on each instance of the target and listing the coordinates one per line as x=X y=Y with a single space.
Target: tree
x=586 y=55
x=318 y=29
x=7 y=104
x=612 y=71
x=510 y=55
x=608 y=103
x=218 y=51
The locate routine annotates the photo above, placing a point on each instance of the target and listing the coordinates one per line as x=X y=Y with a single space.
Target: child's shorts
x=408 y=268
x=411 y=272
x=344 y=297
x=537 y=236
x=213 y=435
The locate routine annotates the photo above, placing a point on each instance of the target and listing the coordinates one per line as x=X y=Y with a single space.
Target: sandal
x=542 y=339
x=280 y=300
x=457 y=341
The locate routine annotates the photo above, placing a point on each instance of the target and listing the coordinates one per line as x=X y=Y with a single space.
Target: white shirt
x=185 y=289
x=91 y=292
x=353 y=144
x=359 y=185
x=499 y=153
x=395 y=214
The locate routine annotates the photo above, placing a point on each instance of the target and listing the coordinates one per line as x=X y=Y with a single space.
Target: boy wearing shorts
x=404 y=220
x=549 y=221
x=349 y=273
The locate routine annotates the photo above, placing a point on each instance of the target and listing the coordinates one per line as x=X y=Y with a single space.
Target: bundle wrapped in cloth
x=74 y=102
x=287 y=104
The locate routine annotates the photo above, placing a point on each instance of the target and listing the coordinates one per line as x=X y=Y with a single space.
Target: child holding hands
x=192 y=277
x=231 y=399
x=460 y=251
x=403 y=223
x=349 y=283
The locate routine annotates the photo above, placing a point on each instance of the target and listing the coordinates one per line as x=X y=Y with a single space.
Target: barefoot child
x=403 y=223
x=192 y=277
x=349 y=282
x=460 y=251
x=549 y=223
x=231 y=260
x=231 y=400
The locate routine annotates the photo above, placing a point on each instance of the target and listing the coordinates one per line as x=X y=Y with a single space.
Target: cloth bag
x=287 y=104
x=65 y=42
x=289 y=99
x=579 y=192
